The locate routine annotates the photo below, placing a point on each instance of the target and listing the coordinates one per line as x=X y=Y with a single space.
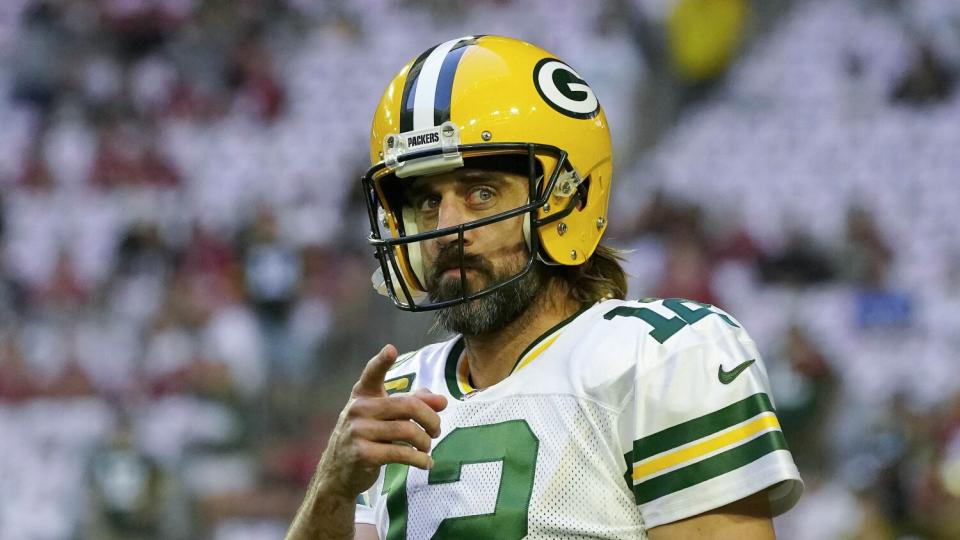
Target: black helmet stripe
x=430 y=83
x=441 y=102
x=409 y=89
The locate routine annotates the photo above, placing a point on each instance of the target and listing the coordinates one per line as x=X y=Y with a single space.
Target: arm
x=366 y=532
x=746 y=519
x=364 y=440
x=337 y=513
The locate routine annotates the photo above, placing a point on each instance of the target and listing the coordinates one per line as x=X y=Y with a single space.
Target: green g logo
x=564 y=90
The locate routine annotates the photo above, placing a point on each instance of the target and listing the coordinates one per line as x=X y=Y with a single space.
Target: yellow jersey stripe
x=536 y=352
x=463 y=375
x=706 y=446
x=463 y=367
x=398 y=385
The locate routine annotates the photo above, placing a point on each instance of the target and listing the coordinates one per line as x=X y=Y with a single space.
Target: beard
x=493 y=311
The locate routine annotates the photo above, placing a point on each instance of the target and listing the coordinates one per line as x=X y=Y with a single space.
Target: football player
x=558 y=410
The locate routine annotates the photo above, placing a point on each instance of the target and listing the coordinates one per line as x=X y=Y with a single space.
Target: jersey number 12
x=513 y=443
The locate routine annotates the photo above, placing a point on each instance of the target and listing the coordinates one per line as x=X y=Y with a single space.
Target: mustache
x=449 y=257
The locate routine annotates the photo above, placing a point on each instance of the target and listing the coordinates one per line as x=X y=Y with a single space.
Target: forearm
x=323 y=516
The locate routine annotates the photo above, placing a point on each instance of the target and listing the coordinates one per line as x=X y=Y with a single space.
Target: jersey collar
x=457 y=368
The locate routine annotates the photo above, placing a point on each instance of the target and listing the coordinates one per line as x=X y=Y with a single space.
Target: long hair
x=600 y=277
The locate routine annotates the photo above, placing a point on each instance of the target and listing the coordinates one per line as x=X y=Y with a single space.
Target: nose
x=450 y=214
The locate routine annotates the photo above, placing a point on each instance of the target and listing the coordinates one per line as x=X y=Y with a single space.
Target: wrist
x=328 y=488
x=324 y=514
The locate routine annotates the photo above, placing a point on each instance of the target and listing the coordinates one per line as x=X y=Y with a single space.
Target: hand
x=375 y=429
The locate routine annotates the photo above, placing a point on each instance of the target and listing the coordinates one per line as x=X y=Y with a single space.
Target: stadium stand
x=184 y=287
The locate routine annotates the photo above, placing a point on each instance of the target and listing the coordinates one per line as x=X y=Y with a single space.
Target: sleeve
x=368 y=501
x=364 y=512
x=700 y=430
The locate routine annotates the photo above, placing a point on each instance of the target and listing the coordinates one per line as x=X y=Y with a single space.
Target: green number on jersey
x=512 y=443
x=664 y=328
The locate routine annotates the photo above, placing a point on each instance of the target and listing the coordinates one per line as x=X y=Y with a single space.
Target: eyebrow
x=477 y=174
x=420 y=186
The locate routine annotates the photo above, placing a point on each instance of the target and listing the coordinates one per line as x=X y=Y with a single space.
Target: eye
x=428 y=203
x=481 y=195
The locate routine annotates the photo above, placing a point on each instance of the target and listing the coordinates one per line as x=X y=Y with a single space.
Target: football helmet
x=468 y=100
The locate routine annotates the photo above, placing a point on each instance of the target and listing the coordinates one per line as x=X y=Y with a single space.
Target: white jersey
x=626 y=416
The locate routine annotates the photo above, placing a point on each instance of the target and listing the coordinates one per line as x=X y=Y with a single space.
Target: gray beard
x=493 y=311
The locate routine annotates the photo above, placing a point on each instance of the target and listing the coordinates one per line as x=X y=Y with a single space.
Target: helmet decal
x=429 y=85
x=564 y=90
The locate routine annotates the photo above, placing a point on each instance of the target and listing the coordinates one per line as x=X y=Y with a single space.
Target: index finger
x=371 y=380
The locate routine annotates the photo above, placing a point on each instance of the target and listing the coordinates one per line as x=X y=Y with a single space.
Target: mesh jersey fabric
x=629 y=415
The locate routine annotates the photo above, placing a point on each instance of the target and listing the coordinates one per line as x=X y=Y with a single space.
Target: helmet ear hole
x=583 y=190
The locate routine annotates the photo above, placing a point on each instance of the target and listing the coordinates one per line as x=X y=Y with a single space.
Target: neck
x=492 y=356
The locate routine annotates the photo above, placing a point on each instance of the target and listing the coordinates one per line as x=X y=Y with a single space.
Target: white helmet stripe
x=426 y=90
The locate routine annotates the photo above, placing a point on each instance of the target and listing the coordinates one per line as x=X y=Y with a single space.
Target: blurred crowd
x=184 y=281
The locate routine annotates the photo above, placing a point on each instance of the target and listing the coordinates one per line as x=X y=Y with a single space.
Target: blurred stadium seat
x=184 y=292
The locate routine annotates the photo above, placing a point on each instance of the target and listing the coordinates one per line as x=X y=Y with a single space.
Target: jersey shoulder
x=673 y=323
x=660 y=325
x=418 y=368
x=617 y=341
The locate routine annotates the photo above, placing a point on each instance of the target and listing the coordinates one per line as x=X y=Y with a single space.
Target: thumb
x=371 y=380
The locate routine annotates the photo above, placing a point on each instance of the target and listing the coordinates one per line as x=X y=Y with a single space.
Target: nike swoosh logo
x=727 y=377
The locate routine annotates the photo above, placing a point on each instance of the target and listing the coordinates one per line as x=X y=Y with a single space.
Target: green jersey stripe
x=711 y=467
x=698 y=428
x=453 y=357
x=450 y=370
x=395 y=488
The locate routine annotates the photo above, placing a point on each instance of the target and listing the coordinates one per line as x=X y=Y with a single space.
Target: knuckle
x=350 y=430
x=411 y=405
x=355 y=408
x=422 y=444
x=362 y=453
x=406 y=429
x=431 y=422
x=401 y=453
x=424 y=439
x=402 y=405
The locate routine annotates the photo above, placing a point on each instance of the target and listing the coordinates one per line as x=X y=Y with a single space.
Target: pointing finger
x=371 y=380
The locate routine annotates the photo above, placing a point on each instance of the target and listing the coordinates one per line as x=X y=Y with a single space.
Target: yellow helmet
x=482 y=96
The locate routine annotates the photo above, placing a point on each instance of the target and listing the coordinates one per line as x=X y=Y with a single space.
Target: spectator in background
x=141 y=249
x=43 y=44
x=36 y=175
x=800 y=262
x=128 y=490
x=250 y=77
x=865 y=262
x=865 y=257
x=271 y=268
x=947 y=465
x=17 y=382
x=805 y=386
x=927 y=81
x=273 y=274
x=128 y=155
x=688 y=272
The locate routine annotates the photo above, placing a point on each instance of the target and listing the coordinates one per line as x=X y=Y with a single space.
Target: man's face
x=492 y=253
